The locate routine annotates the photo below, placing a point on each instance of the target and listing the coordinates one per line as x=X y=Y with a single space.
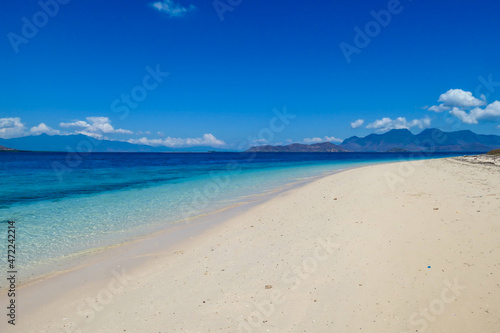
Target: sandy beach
x=399 y=247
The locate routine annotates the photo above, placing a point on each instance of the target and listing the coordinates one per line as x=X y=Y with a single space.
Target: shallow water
x=63 y=206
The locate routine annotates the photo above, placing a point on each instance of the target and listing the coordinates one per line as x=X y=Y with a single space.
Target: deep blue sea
x=67 y=203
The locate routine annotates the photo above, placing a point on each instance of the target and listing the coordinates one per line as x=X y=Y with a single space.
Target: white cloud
x=256 y=142
x=95 y=127
x=457 y=98
x=43 y=129
x=469 y=109
x=313 y=140
x=97 y=136
x=460 y=98
x=490 y=112
x=206 y=140
x=172 y=8
x=14 y=128
x=386 y=124
x=463 y=116
x=357 y=123
x=78 y=123
x=333 y=139
x=439 y=108
x=324 y=139
x=11 y=128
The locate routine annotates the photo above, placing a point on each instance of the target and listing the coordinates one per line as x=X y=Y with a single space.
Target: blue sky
x=100 y=68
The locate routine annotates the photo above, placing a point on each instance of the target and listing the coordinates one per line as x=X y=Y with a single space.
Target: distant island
x=325 y=147
x=399 y=140
x=83 y=143
x=395 y=141
x=5 y=149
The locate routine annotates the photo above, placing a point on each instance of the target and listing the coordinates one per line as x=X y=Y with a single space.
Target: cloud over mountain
x=94 y=127
x=206 y=140
x=464 y=106
x=386 y=124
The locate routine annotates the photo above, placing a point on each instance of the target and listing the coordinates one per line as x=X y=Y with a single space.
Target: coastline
x=53 y=266
x=228 y=263
x=56 y=228
x=127 y=256
x=174 y=232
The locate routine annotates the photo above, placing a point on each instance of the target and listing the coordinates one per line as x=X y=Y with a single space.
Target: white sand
x=347 y=253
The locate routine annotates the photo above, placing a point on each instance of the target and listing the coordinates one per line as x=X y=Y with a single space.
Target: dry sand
x=403 y=247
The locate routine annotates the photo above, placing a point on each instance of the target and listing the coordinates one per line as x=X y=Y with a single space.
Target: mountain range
x=429 y=139
x=324 y=147
x=83 y=143
x=400 y=140
x=395 y=140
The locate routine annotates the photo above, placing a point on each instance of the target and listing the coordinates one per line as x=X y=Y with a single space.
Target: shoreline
x=187 y=228
x=215 y=279
x=89 y=234
x=76 y=260
x=85 y=266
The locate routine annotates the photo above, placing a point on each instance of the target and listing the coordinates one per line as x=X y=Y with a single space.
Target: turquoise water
x=110 y=198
